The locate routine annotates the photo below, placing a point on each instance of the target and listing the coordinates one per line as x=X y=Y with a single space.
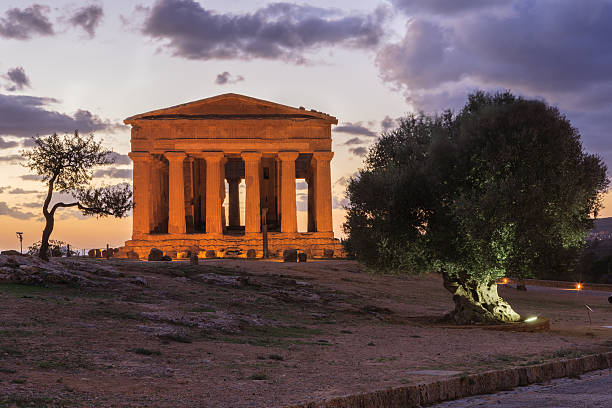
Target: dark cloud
x=88 y=18
x=358 y=151
x=277 y=31
x=31 y=205
x=120 y=158
x=19 y=190
x=556 y=50
x=22 y=24
x=227 y=78
x=11 y=159
x=388 y=123
x=354 y=141
x=354 y=129
x=302 y=202
x=4 y=188
x=114 y=173
x=13 y=212
x=31 y=177
x=17 y=79
x=544 y=46
x=7 y=144
x=26 y=116
x=445 y=7
x=339 y=202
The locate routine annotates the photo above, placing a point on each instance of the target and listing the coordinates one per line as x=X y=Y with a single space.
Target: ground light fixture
x=530 y=319
x=578 y=286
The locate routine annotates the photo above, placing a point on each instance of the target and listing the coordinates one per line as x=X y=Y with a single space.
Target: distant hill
x=602 y=225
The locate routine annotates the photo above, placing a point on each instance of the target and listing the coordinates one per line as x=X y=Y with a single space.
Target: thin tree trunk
x=43 y=253
x=478 y=302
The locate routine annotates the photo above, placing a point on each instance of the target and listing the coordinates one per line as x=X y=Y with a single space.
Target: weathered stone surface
x=211 y=253
x=302 y=257
x=31 y=270
x=290 y=255
x=132 y=255
x=193 y=258
x=251 y=253
x=10 y=252
x=155 y=255
x=328 y=253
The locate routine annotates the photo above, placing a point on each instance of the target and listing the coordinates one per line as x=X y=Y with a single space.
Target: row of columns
x=144 y=187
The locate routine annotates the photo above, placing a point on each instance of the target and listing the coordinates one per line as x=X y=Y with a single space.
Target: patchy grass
x=203 y=309
x=258 y=377
x=144 y=351
x=179 y=338
x=114 y=314
x=10 y=351
x=17 y=289
x=23 y=401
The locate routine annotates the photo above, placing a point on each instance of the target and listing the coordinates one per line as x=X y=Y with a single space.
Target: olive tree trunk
x=478 y=302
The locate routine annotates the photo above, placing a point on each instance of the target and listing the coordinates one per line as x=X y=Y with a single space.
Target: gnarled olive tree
x=497 y=190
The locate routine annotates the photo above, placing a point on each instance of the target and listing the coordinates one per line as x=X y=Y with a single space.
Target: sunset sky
x=67 y=65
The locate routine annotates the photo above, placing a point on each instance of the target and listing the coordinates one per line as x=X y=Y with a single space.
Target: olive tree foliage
x=66 y=165
x=503 y=188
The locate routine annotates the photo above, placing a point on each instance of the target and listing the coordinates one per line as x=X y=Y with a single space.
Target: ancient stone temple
x=184 y=155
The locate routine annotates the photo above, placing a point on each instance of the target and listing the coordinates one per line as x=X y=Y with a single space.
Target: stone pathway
x=591 y=390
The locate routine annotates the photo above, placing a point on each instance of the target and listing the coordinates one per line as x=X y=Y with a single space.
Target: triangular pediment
x=228 y=106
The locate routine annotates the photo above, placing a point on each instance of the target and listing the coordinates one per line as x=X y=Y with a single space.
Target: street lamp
x=20 y=236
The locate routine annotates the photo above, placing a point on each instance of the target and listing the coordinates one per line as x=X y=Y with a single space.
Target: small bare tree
x=66 y=165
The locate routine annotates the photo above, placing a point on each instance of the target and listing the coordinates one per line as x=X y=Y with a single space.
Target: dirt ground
x=242 y=333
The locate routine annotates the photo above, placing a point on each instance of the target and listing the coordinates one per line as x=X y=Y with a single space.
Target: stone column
x=189 y=192
x=311 y=202
x=214 y=204
x=252 y=172
x=155 y=195
x=141 y=218
x=234 y=201
x=323 y=191
x=176 y=195
x=288 y=207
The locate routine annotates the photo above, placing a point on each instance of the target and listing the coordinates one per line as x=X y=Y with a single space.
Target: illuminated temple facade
x=184 y=155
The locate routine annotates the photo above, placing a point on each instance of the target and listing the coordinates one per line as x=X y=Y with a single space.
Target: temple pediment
x=231 y=107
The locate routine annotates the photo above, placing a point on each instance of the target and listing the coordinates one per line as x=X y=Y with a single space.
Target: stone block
x=302 y=257
x=290 y=255
x=211 y=253
x=193 y=258
x=155 y=255
x=132 y=255
x=328 y=253
x=251 y=253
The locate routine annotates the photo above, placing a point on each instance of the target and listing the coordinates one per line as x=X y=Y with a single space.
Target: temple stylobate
x=184 y=155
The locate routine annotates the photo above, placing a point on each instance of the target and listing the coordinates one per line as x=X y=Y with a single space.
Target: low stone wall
x=560 y=284
x=459 y=387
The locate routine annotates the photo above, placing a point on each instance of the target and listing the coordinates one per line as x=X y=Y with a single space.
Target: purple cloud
x=22 y=24
x=277 y=31
x=88 y=18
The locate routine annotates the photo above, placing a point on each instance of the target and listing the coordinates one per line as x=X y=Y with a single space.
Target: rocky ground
x=246 y=333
